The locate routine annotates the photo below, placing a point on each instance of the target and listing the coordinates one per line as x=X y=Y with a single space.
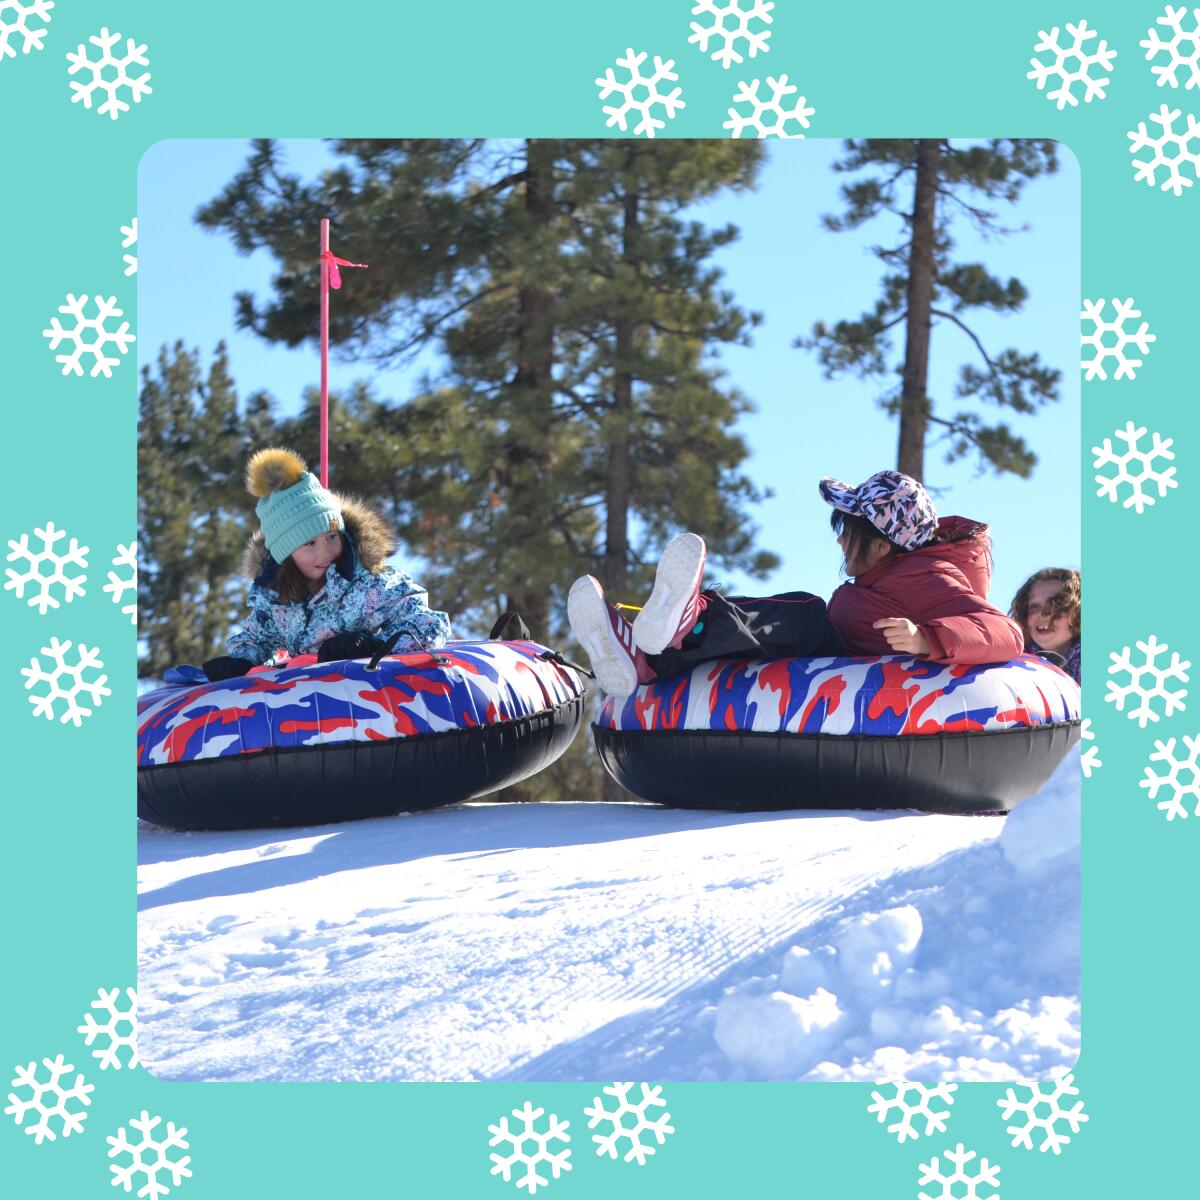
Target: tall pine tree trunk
x=619 y=481
x=534 y=413
x=914 y=401
x=533 y=384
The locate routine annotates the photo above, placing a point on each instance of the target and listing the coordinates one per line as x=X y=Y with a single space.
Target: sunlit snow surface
x=589 y=941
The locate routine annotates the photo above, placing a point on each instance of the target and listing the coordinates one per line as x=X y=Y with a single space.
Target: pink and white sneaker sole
x=605 y=635
x=674 y=601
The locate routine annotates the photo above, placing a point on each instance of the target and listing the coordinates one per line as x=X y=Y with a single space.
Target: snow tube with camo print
x=312 y=742
x=887 y=732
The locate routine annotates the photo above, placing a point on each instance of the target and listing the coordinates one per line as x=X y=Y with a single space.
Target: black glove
x=510 y=628
x=349 y=645
x=224 y=667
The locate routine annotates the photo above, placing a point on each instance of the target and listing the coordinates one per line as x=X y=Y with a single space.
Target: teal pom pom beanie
x=293 y=507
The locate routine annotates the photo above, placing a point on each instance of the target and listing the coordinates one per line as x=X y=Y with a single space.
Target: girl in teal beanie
x=320 y=581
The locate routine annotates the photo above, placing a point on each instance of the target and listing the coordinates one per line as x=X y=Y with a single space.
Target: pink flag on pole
x=331 y=277
x=332 y=262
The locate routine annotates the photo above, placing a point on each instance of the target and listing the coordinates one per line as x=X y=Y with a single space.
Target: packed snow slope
x=599 y=942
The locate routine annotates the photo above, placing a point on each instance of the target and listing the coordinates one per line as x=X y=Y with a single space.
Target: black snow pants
x=791 y=624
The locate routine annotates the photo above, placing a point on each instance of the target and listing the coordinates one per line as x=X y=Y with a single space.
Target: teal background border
x=475 y=68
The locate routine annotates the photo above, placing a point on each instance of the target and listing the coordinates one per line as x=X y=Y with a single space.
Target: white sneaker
x=671 y=611
x=605 y=635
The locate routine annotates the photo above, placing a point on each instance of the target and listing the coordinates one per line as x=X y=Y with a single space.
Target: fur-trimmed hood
x=362 y=593
x=368 y=538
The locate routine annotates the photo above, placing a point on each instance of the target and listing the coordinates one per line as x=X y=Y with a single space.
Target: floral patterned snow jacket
x=942 y=588
x=361 y=595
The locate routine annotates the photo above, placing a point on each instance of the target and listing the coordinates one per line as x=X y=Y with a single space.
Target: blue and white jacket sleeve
x=258 y=639
x=397 y=604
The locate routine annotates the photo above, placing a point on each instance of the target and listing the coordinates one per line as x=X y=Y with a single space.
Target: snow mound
x=1043 y=829
x=778 y=1034
x=875 y=948
x=974 y=977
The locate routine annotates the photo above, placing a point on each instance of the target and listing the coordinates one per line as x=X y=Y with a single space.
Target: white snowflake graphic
x=129 y=239
x=102 y=363
x=66 y=682
x=108 y=1052
x=767 y=116
x=1157 y=678
x=1089 y=761
x=1135 y=467
x=1111 y=339
x=43 y=582
x=1183 y=48
x=49 y=1100
x=118 y=585
x=740 y=29
x=659 y=1126
x=14 y=18
x=958 y=1158
x=912 y=1100
x=1071 y=65
x=634 y=101
x=149 y=1157
x=109 y=73
x=1044 y=1111
x=528 y=1133
x=1183 y=777
x=1173 y=150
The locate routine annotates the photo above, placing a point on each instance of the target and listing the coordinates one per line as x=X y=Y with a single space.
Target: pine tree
x=641 y=327
x=924 y=181
x=553 y=311
x=193 y=514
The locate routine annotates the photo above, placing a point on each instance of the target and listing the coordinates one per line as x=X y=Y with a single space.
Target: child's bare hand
x=902 y=635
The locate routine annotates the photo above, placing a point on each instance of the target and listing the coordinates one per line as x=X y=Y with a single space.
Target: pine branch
x=937 y=312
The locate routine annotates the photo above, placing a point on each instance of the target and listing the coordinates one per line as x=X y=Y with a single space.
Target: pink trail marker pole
x=331 y=277
x=324 y=351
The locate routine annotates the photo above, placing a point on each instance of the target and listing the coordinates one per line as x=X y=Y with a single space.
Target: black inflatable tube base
x=949 y=772
x=315 y=785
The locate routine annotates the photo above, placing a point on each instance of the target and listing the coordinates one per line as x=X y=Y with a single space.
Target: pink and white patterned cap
x=895 y=503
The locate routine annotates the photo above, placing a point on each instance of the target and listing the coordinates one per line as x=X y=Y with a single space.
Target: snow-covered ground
x=589 y=941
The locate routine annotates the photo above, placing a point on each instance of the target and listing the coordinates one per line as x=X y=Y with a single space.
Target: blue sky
x=786 y=266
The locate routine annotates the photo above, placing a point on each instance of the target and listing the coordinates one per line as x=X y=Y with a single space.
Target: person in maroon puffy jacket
x=930 y=601
x=919 y=586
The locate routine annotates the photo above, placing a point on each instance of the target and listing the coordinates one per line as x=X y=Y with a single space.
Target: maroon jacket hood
x=942 y=588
